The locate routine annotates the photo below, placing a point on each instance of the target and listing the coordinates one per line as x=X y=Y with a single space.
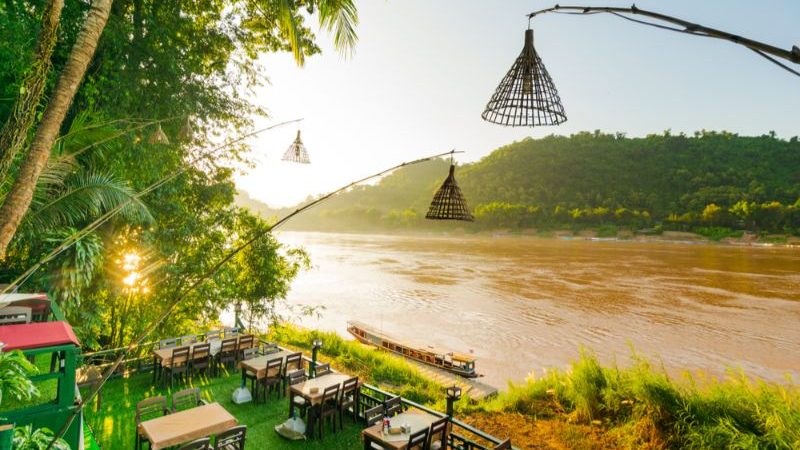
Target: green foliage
x=594 y=180
x=644 y=406
x=26 y=438
x=717 y=233
x=15 y=372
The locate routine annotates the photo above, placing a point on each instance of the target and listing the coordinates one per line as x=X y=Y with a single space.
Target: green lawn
x=113 y=424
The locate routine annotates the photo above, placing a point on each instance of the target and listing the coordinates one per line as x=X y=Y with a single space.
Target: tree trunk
x=15 y=130
x=18 y=200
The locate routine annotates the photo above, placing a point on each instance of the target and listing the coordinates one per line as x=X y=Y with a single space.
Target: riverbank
x=590 y=406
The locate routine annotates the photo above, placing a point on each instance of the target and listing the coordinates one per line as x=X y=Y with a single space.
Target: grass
x=371 y=365
x=113 y=424
x=718 y=233
x=642 y=407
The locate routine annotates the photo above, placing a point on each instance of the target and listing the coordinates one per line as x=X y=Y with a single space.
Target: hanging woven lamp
x=158 y=136
x=449 y=203
x=526 y=97
x=297 y=152
x=186 y=132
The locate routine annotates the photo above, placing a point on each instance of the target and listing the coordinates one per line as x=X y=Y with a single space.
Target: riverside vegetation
x=595 y=406
x=717 y=184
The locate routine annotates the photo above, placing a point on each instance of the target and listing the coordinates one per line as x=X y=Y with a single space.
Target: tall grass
x=644 y=407
x=370 y=364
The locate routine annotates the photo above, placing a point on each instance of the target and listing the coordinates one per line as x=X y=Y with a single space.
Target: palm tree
x=339 y=17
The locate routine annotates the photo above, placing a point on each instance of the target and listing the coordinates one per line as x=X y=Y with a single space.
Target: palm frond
x=288 y=23
x=86 y=195
x=340 y=17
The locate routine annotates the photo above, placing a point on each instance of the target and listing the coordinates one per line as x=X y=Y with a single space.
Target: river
x=523 y=305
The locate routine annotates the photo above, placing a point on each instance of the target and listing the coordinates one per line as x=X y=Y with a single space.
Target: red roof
x=37 y=335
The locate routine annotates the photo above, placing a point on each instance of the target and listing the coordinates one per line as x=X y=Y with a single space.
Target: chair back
x=249 y=353
x=330 y=394
x=349 y=388
x=270 y=348
x=231 y=332
x=200 y=444
x=150 y=408
x=438 y=433
x=505 y=445
x=213 y=335
x=274 y=368
x=296 y=377
x=246 y=342
x=322 y=369
x=228 y=346
x=374 y=414
x=294 y=362
x=186 y=399
x=393 y=406
x=168 y=343
x=11 y=315
x=180 y=356
x=201 y=351
x=232 y=439
x=418 y=439
x=189 y=339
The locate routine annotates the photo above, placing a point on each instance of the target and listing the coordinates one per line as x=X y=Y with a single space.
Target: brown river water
x=523 y=305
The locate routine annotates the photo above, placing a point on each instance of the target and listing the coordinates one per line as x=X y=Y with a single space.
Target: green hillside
x=707 y=183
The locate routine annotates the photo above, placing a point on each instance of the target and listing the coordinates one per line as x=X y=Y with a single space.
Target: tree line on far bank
x=714 y=183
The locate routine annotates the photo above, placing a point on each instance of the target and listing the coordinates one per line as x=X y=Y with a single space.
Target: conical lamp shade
x=297 y=152
x=449 y=203
x=526 y=97
x=158 y=136
x=186 y=132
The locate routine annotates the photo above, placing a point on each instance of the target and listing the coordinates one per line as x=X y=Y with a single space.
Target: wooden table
x=187 y=425
x=314 y=400
x=416 y=419
x=163 y=356
x=259 y=365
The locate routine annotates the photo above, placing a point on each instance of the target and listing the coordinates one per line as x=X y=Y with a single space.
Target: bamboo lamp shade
x=297 y=152
x=449 y=202
x=526 y=96
x=158 y=136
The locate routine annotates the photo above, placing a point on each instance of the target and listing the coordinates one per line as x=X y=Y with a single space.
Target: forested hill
x=593 y=180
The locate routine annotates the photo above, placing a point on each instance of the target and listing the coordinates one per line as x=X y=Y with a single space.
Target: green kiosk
x=55 y=350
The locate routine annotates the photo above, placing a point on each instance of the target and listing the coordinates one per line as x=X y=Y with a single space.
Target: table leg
x=311 y=414
x=155 y=368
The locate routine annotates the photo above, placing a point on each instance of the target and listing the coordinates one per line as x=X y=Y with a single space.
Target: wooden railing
x=462 y=436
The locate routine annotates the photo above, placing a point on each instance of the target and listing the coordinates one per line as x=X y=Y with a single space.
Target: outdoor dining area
x=227 y=390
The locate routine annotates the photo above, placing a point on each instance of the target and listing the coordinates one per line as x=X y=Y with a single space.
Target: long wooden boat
x=457 y=363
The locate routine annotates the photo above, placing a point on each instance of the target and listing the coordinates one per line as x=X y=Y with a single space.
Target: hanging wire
x=181 y=294
x=691 y=29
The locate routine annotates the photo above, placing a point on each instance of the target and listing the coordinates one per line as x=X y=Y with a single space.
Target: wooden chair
x=168 y=343
x=437 y=435
x=200 y=444
x=328 y=408
x=348 y=399
x=201 y=358
x=245 y=342
x=322 y=369
x=272 y=377
x=147 y=409
x=189 y=339
x=231 y=332
x=375 y=414
x=186 y=399
x=394 y=406
x=213 y=335
x=232 y=439
x=252 y=377
x=178 y=365
x=297 y=377
x=505 y=445
x=294 y=362
x=227 y=353
x=417 y=440
x=269 y=348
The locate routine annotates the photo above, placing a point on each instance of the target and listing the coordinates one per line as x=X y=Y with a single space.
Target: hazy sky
x=424 y=70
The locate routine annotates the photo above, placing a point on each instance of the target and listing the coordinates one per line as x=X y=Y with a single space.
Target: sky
x=423 y=71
